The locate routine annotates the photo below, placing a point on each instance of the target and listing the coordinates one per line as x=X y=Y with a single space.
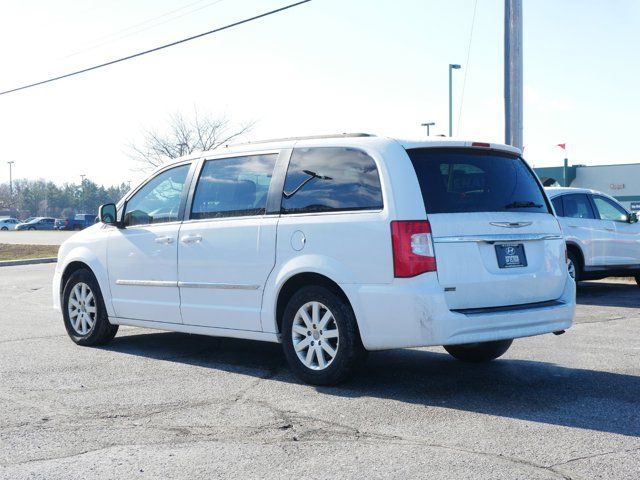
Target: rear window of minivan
x=465 y=180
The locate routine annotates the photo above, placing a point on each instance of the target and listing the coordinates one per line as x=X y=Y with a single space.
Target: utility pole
x=82 y=184
x=11 y=178
x=430 y=124
x=513 y=73
x=452 y=67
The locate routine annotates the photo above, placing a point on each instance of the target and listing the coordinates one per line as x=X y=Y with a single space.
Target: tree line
x=42 y=198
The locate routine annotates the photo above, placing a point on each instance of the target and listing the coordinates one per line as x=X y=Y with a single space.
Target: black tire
x=479 y=352
x=5 y=228
x=31 y=228
x=101 y=332
x=574 y=259
x=350 y=352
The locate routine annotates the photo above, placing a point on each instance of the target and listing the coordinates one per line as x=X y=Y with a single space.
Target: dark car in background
x=38 y=223
x=61 y=223
x=79 y=222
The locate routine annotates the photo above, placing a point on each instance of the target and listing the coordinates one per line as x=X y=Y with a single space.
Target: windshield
x=468 y=180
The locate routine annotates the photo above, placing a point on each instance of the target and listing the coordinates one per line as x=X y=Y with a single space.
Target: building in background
x=621 y=181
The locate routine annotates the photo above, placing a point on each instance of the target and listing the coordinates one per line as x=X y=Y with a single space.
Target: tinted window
x=577 y=205
x=557 y=205
x=331 y=179
x=465 y=180
x=609 y=210
x=159 y=200
x=231 y=187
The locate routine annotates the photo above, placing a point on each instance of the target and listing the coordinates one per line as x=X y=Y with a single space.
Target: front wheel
x=5 y=228
x=320 y=336
x=85 y=316
x=31 y=228
x=479 y=352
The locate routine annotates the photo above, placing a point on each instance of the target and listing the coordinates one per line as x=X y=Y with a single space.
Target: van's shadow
x=526 y=390
x=608 y=294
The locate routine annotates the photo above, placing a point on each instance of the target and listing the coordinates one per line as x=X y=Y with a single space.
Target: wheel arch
x=299 y=280
x=84 y=258
x=574 y=247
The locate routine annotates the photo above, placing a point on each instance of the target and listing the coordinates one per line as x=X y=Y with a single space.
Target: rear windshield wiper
x=523 y=205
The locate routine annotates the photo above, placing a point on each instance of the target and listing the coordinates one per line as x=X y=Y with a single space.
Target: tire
x=4 y=228
x=479 y=352
x=31 y=228
x=574 y=265
x=314 y=362
x=94 y=329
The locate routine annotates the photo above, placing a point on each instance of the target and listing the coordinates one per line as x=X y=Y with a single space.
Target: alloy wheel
x=572 y=269
x=315 y=336
x=82 y=309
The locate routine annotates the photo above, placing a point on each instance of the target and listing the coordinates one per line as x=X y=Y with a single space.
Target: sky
x=377 y=66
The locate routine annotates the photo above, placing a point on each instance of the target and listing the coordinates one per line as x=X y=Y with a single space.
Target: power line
x=162 y=47
x=467 y=66
x=126 y=32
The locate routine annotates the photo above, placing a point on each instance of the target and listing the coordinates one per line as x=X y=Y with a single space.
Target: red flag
x=562 y=146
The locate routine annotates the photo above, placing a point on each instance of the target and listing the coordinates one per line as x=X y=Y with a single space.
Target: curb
x=30 y=261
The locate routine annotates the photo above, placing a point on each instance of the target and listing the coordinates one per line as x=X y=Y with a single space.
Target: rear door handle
x=191 y=239
x=165 y=240
x=610 y=229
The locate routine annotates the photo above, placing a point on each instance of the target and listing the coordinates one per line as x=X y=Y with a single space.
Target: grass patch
x=22 y=252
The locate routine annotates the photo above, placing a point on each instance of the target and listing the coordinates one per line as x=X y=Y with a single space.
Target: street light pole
x=429 y=124
x=10 y=178
x=452 y=67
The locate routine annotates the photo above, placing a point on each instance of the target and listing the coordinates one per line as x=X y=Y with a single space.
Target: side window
x=159 y=200
x=233 y=187
x=608 y=210
x=557 y=205
x=577 y=205
x=331 y=179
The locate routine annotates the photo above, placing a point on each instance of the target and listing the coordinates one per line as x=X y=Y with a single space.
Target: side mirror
x=632 y=217
x=108 y=214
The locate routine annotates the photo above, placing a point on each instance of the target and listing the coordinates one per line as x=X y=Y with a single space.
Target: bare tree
x=185 y=136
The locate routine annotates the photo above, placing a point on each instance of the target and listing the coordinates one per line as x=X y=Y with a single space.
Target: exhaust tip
x=559 y=332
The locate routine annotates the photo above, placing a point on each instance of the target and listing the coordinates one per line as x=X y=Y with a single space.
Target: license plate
x=511 y=256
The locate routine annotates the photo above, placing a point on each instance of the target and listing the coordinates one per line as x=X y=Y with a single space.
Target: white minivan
x=332 y=246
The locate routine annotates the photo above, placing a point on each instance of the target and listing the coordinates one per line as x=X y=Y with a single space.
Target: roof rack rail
x=309 y=137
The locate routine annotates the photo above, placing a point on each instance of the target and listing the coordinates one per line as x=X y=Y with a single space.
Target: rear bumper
x=414 y=313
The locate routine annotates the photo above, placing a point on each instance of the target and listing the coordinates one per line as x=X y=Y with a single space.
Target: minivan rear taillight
x=413 y=252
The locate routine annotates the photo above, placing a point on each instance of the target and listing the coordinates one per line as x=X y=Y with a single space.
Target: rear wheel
x=574 y=265
x=4 y=228
x=479 y=352
x=320 y=336
x=85 y=316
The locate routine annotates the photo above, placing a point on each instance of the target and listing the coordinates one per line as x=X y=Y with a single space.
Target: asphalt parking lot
x=167 y=405
x=37 y=237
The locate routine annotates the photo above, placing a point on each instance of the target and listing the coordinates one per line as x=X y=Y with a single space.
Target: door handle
x=165 y=240
x=191 y=239
x=610 y=229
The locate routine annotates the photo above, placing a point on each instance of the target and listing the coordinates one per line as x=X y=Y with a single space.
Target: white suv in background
x=330 y=245
x=603 y=238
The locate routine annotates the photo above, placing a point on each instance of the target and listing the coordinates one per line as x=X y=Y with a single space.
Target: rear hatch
x=496 y=241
